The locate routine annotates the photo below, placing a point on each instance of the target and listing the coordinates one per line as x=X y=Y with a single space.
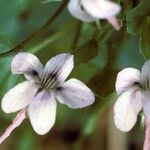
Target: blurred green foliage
x=99 y=55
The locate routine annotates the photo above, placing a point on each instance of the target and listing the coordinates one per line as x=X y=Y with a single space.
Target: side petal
x=18 y=97
x=126 y=109
x=75 y=94
x=42 y=112
x=126 y=78
x=59 y=67
x=27 y=64
x=101 y=9
x=146 y=104
x=75 y=10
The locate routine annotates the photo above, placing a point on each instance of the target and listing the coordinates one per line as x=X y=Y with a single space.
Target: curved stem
x=77 y=36
x=16 y=122
x=147 y=136
x=41 y=30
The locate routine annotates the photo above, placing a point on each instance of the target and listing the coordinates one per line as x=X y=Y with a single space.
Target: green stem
x=77 y=36
x=46 y=42
x=39 y=32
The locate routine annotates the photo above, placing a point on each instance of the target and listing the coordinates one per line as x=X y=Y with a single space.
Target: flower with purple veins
x=133 y=89
x=37 y=96
x=93 y=10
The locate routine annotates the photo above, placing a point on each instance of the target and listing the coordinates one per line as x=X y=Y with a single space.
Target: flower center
x=49 y=78
x=146 y=85
x=49 y=81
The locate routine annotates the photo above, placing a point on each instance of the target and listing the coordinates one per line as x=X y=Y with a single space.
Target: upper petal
x=75 y=9
x=27 y=64
x=101 y=8
x=18 y=97
x=126 y=78
x=126 y=109
x=75 y=94
x=42 y=112
x=59 y=67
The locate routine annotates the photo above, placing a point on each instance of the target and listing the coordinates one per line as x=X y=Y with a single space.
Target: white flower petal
x=42 y=112
x=75 y=10
x=59 y=66
x=146 y=104
x=18 y=97
x=101 y=9
x=75 y=94
x=126 y=109
x=126 y=78
x=27 y=64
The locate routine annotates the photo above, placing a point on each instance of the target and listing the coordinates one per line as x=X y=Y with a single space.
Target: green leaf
x=136 y=16
x=145 y=38
x=8 y=80
x=4 y=41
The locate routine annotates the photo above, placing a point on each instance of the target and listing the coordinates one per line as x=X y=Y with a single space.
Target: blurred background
x=99 y=54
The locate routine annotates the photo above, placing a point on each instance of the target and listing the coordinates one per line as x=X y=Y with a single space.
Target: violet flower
x=37 y=96
x=93 y=10
x=133 y=88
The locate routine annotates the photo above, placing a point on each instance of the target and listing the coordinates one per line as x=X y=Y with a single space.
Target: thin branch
x=77 y=36
x=39 y=32
x=147 y=136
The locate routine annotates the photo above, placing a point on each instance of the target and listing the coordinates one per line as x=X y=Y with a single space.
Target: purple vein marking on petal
x=53 y=78
x=54 y=74
x=47 y=75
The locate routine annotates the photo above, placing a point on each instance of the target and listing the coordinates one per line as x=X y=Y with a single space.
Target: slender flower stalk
x=37 y=96
x=16 y=122
x=93 y=10
x=147 y=136
x=133 y=89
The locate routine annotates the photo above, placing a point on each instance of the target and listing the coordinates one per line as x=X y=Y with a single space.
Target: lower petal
x=42 y=112
x=126 y=109
x=75 y=94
